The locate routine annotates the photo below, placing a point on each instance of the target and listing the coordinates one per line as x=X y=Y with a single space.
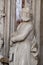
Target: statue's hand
x=13 y=40
x=11 y=43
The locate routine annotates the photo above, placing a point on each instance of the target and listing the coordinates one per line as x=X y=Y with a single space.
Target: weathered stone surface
x=23 y=41
x=1 y=26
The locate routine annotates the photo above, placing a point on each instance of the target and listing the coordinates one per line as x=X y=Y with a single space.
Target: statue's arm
x=23 y=35
x=12 y=35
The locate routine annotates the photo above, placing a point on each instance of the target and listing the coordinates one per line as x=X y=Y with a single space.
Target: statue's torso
x=21 y=49
x=22 y=29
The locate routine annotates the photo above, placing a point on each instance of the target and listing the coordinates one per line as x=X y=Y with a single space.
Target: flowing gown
x=24 y=45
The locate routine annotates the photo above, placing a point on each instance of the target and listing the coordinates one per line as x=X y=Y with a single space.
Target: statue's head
x=25 y=14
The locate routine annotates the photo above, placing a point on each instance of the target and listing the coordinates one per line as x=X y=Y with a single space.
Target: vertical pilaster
x=13 y=15
x=37 y=23
x=6 y=28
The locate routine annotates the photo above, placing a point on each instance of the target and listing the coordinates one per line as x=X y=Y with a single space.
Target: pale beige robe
x=23 y=44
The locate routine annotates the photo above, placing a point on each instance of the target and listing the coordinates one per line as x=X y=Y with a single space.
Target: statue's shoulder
x=19 y=26
x=25 y=26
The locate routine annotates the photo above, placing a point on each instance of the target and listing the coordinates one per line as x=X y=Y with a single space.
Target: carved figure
x=23 y=42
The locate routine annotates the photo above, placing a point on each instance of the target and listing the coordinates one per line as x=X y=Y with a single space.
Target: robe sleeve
x=23 y=35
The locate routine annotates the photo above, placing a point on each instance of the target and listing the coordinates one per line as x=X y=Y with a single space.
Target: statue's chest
x=21 y=28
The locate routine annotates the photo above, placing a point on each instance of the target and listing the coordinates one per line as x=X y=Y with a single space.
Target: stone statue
x=23 y=46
